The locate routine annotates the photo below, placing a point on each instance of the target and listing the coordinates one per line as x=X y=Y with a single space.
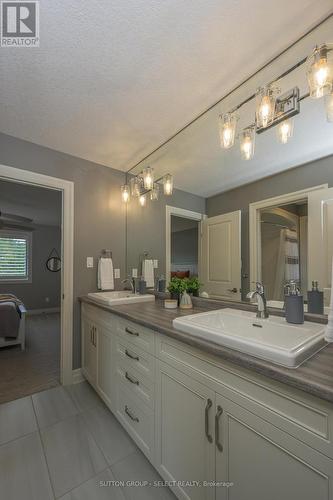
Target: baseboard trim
x=50 y=310
x=78 y=376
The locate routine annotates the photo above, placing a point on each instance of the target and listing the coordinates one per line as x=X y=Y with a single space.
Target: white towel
x=148 y=272
x=105 y=279
x=329 y=328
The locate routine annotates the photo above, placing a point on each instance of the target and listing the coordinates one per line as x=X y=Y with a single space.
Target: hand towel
x=148 y=273
x=105 y=279
x=329 y=328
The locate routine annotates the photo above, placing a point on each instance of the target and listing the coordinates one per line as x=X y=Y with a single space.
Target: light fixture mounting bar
x=286 y=106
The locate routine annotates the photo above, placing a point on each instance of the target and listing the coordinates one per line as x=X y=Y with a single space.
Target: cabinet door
x=264 y=462
x=89 y=351
x=104 y=366
x=184 y=432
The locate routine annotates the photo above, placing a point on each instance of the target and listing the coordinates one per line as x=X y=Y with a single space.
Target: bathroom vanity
x=203 y=412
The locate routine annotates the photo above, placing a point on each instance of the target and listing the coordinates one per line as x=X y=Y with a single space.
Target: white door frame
x=255 y=225
x=67 y=188
x=186 y=214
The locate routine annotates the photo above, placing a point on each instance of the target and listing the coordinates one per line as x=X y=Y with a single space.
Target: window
x=15 y=256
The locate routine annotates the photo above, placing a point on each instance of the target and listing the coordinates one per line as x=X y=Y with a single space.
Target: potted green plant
x=177 y=286
x=193 y=286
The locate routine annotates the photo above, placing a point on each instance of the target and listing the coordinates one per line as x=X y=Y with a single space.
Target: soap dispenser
x=294 y=304
x=315 y=300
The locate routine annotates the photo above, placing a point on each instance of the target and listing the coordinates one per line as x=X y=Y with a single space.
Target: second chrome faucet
x=259 y=294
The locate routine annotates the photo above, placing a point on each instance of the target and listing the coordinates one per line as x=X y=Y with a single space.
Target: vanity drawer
x=143 y=388
x=135 y=357
x=137 y=419
x=137 y=335
x=305 y=417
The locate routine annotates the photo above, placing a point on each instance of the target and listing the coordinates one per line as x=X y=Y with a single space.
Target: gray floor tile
x=84 y=396
x=72 y=454
x=53 y=405
x=109 y=434
x=17 y=418
x=137 y=468
x=93 y=490
x=23 y=470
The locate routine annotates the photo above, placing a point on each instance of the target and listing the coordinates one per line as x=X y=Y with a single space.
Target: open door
x=320 y=237
x=221 y=256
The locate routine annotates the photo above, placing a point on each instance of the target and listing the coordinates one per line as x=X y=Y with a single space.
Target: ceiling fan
x=13 y=221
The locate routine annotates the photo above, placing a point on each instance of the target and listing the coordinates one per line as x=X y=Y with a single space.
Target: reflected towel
x=148 y=272
x=105 y=280
x=329 y=328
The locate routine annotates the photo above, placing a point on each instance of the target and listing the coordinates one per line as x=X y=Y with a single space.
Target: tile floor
x=61 y=443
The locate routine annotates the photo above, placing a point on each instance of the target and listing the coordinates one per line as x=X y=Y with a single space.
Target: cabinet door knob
x=130 y=379
x=136 y=358
x=135 y=419
x=208 y=406
x=217 y=428
x=128 y=330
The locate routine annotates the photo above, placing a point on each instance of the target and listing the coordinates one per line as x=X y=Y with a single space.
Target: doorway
x=66 y=191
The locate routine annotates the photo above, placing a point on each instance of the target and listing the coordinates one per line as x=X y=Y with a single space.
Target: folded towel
x=148 y=272
x=329 y=328
x=105 y=279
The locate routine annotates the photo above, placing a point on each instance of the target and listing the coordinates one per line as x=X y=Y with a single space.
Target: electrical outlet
x=155 y=263
x=134 y=273
x=117 y=273
x=90 y=262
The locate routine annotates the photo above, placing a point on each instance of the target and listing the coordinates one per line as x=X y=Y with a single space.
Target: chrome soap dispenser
x=294 y=304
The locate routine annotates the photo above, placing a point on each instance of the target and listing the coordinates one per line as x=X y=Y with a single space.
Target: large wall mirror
x=260 y=210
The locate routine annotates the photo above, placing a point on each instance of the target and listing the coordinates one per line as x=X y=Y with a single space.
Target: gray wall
x=44 y=283
x=99 y=215
x=146 y=226
x=304 y=176
x=184 y=247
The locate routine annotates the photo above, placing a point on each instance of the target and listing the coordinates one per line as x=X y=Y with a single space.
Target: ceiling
x=43 y=206
x=113 y=79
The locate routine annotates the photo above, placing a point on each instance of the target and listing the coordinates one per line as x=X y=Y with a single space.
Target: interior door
x=221 y=255
x=320 y=237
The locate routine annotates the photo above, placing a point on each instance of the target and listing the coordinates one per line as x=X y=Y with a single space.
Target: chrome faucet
x=132 y=283
x=259 y=293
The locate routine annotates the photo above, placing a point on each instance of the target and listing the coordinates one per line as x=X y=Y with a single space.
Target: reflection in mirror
x=184 y=247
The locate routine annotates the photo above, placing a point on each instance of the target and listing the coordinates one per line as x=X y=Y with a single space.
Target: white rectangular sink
x=272 y=339
x=118 y=298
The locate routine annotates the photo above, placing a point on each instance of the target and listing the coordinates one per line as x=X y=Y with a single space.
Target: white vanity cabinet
x=199 y=418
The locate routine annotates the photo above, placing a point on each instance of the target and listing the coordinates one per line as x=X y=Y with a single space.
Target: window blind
x=13 y=257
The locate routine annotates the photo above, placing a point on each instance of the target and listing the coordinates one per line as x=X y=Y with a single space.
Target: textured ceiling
x=113 y=79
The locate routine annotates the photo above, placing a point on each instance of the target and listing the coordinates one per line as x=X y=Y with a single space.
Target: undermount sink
x=272 y=339
x=118 y=298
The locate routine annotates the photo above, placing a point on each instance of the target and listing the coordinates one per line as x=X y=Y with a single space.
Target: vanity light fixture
x=154 y=193
x=285 y=130
x=247 y=139
x=135 y=184
x=265 y=105
x=143 y=200
x=125 y=193
x=329 y=106
x=168 y=184
x=227 y=128
x=148 y=177
x=320 y=70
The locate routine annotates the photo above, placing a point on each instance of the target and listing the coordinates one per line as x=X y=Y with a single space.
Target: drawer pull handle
x=208 y=406
x=131 y=355
x=128 y=330
x=130 y=379
x=135 y=419
x=217 y=428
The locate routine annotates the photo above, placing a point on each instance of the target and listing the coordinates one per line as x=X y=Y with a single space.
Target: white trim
x=50 y=310
x=77 y=376
x=186 y=214
x=255 y=226
x=67 y=189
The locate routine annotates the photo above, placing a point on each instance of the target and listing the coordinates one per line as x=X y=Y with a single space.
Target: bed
x=12 y=321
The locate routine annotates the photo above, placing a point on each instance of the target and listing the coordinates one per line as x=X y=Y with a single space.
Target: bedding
x=10 y=315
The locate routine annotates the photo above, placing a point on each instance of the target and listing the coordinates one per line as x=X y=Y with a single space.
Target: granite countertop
x=314 y=376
